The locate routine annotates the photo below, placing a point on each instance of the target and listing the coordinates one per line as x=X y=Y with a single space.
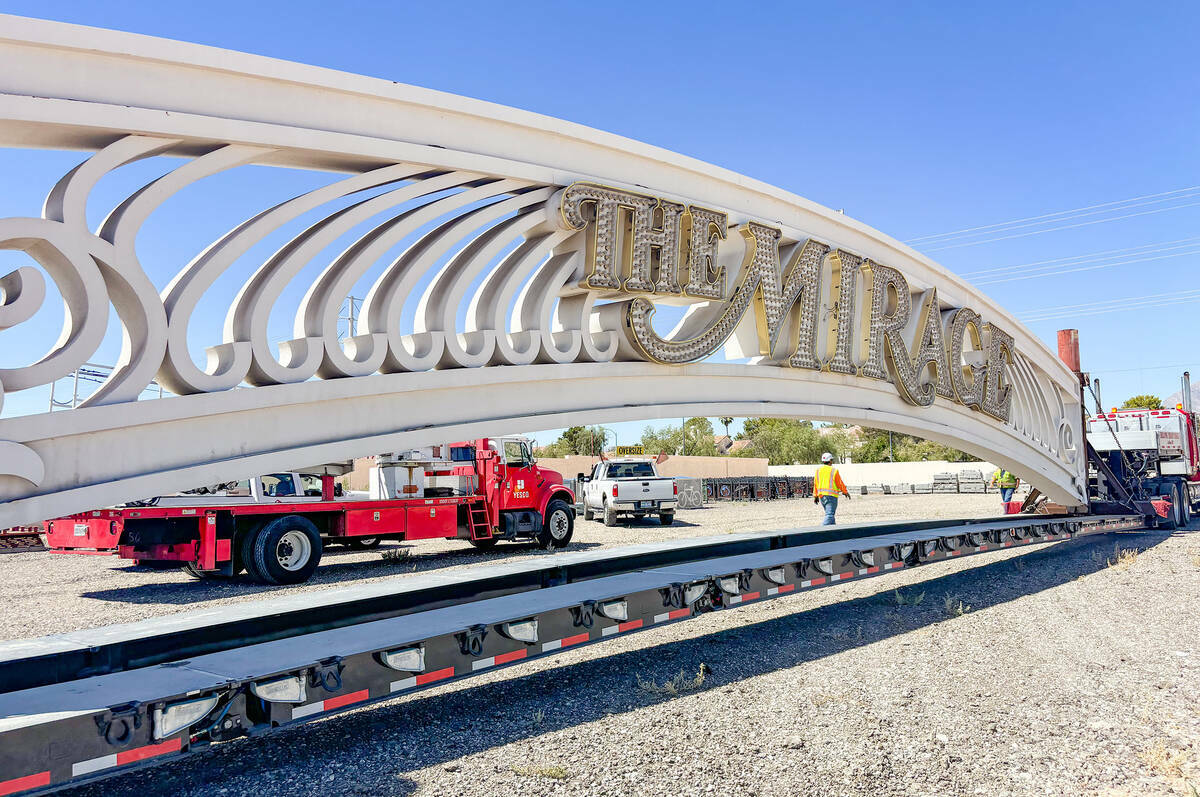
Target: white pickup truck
x=628 y=487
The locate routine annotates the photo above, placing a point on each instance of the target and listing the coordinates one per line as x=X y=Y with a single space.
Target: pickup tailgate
x=659 y=488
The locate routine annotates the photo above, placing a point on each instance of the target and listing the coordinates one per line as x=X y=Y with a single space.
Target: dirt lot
x=66 y=592
x=1060 y=669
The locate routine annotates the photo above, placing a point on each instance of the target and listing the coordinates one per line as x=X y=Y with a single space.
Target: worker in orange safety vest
x=826 y=486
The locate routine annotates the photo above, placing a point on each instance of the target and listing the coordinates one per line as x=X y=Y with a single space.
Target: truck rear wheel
x=557 y=526
x=666 y=518
x=610 y=515
x=286 y=550
x=1174 y=514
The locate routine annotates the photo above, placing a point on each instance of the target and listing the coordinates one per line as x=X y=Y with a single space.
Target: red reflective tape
x=574 y=640
x=505 y=658
x=787 y=587
x=816 y=582
x=750 y=596
x=872 y=570
x=955 y=553
x=344 y=700
x=632 y=624
x=28 y=782
x=841 y=576
x=149 y=751
x=436 y=675
x=676 y=614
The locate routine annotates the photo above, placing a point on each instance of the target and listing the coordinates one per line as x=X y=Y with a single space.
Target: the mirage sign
x=654 y=248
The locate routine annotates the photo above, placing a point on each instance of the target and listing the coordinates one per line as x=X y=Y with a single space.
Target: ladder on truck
x=478 y=523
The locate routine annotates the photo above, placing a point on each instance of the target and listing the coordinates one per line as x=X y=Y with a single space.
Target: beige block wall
x=685 y=467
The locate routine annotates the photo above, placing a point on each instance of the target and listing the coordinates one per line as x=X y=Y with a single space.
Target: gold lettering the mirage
x=645 y=246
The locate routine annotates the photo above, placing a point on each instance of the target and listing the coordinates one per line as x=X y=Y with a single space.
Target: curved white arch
x=192 y=440
x=461 y=213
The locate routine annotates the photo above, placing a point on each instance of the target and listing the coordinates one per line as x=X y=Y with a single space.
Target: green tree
x=577 y=440
x=783 y=441
x=698 y=438
x=873 y=446
x=1145 y=401
x=668 y=439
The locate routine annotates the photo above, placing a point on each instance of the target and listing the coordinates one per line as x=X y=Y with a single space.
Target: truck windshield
x=630 y=470
x=516 y=453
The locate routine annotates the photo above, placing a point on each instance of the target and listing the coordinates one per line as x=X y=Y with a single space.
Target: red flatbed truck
x=504 y=495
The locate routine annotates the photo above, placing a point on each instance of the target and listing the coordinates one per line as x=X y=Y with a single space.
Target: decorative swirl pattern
x=473 y=260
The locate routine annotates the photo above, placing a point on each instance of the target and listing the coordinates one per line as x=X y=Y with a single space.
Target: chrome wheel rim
x=293 y=550
x=559 y=524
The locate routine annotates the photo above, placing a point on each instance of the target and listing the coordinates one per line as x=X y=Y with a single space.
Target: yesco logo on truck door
x=519 y=490
x=655 y=248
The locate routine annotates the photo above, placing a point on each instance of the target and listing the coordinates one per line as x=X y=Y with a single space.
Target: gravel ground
x=1046 y=670
x=64 y=593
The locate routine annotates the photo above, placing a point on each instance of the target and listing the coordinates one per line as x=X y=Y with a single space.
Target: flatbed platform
x=134 y=714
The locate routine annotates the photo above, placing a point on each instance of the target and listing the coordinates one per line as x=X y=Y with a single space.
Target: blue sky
x=943 y=117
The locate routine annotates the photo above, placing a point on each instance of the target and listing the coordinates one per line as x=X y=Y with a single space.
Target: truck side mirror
x=579 y=477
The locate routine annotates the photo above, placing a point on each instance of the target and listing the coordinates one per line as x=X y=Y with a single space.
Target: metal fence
x=757 y=488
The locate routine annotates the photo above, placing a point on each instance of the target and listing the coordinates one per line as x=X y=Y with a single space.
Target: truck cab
x=524 y=499
x=629 y=487
x=1157 y=449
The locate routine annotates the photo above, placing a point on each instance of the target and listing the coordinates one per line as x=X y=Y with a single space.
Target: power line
x=1050 y=215
x=1063 y=227
x=1103 y=310
x=1070 y=217
x=1112 y=305
x=1143 y=368
x=1101 y=255
x=1058 y=271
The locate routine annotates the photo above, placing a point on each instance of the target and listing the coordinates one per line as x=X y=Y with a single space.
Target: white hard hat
x=827 y=457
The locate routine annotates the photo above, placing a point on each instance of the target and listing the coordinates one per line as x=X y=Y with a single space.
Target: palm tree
x=725 y=422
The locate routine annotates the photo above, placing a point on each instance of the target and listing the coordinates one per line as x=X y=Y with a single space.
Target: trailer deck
x=130 y=696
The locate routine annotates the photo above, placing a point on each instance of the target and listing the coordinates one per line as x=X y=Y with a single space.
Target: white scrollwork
x=485 y=244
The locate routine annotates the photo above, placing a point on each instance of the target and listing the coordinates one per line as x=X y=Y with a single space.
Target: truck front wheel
x=286 y=550
x=588 y=514
x=557 y=526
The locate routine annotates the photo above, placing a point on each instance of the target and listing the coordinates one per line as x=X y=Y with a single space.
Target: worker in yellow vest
x=1007 y=482
x=826 y=486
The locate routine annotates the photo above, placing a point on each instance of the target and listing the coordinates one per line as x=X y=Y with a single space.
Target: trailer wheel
x=557 y=526
x=610 y=514
x=286 y=550
x=363 y=543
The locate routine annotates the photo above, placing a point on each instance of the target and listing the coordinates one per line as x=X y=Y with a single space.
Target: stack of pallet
x=971 y=481
x=925 y=487
x=945 y=483
x=903 y=488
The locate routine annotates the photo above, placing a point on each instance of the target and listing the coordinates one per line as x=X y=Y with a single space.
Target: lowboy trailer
x=87 y=705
